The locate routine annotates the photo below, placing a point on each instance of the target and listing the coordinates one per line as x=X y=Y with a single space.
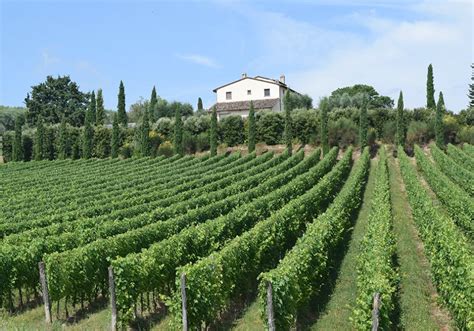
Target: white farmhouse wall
x=239 y=91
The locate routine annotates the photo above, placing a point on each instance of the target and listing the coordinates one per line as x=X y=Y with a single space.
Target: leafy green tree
x=62 y=140
x=363 y=125
x=88 y=136
x=17 y=153
x=471 y=89
x=324 y=107
x=199 y=105
x=39 y=140
x=76 y=148
x=213 y=133
x=101 y=142
x=439 y=129
x=152 y=105
x=232 y=129
x=100 y=116
x=430 y=90
x=55 y=98
x=122 y=113
x=49 y=151
x=145 y=146
x=251 y=128
x=178 y=134
x=352 y=96
x=400 y=122
x=288 y=133
x=93 y=107
x=115 y=144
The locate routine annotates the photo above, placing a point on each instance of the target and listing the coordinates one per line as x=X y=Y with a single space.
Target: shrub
x=126 y=151
x=164 y=126
x=166 y=149
x=232 y=130
x=270 y=126
x=305 y=124
x=102 y=138
x=417 y=133
x=343 y=132
x=466 y=135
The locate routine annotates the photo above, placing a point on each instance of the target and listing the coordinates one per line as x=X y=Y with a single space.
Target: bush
x=189 y=143
x=126 y=151
x=270 y=126
x=466 y=135
x=166 y=149
x=102 y=138
x=202 y=142
x=165 y=127
x=197 y=124
x=342 y=133
x=389 y=132
x=417 y=133
x=232 y=130
x=305 y=124
x=155 y=141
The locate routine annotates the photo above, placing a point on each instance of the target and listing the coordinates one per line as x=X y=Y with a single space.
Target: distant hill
x=8 y=115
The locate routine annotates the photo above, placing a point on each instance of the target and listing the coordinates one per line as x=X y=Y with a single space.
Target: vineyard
x=353 y=239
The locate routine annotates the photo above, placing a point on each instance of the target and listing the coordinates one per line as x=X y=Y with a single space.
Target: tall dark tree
x=76 y=147
x=400 y=139
x=251 y=128
x=62 y=140
x=471 y=89
x=48 y=145
x=178 y=134
x=115 y=143
x=288 y=133
x=324 y=108
x=199 y=105
x=100 y=116
x=122 y=113
x=152 y=105
x=38 y=147
x=92 y=107
x=17 y=152
x=439 y=128
x=430 y=90
x=363 y=123
x=145 y=145
x=55 y=98
x=213 y=133
x=88 y=137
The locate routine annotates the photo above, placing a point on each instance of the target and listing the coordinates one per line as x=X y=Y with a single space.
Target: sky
x=187 y=48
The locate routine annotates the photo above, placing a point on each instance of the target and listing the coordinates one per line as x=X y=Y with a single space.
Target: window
x=228 y=95
x=266 y=92
x=249 y=92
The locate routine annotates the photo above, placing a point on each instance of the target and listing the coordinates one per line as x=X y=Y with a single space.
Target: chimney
x=244 y=75
x=282 y=79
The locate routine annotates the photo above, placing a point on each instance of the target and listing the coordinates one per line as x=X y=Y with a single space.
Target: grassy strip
x=415 y=285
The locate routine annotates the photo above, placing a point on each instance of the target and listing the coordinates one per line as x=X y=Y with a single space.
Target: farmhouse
x=265 y=93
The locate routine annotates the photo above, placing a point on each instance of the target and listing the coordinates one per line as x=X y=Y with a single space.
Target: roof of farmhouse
x=259 y=78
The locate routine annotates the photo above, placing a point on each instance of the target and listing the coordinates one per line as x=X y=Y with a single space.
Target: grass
x=416 y=292
x=336 y=315
x=250 y=320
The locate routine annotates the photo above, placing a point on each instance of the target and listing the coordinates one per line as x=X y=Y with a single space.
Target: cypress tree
x=100 y=116
x=93 y=106
x=471 y=89
x=430 y=91
x=323 y=105
x=439 y=129
x=145 y=135
x=363 y=126
x=38 y=147
x=76 y=149
x=153 y=101
x=288 y=134
x=17 y=152
x=115 y=137
x=199 y=106
x=48 y=144
x=88 y=136
x=122 y=114
x=251 y=128
x=400 y=140
x=213 y=133
x=62 y=143
x=178 y=133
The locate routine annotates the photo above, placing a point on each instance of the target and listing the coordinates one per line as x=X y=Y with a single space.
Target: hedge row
x=215 y=280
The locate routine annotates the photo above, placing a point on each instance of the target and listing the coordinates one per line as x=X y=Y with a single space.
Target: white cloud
x=199 y=59
x=390 y=53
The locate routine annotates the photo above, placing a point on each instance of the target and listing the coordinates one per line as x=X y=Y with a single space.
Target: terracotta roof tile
x=245 y=105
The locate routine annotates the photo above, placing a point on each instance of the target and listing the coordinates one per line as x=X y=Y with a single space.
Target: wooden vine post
x=44 y=290
x=113 y=303
x=270 y=313
x=375 y=312
x=184 y=303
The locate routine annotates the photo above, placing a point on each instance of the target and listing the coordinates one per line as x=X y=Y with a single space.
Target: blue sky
x=187 y=48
